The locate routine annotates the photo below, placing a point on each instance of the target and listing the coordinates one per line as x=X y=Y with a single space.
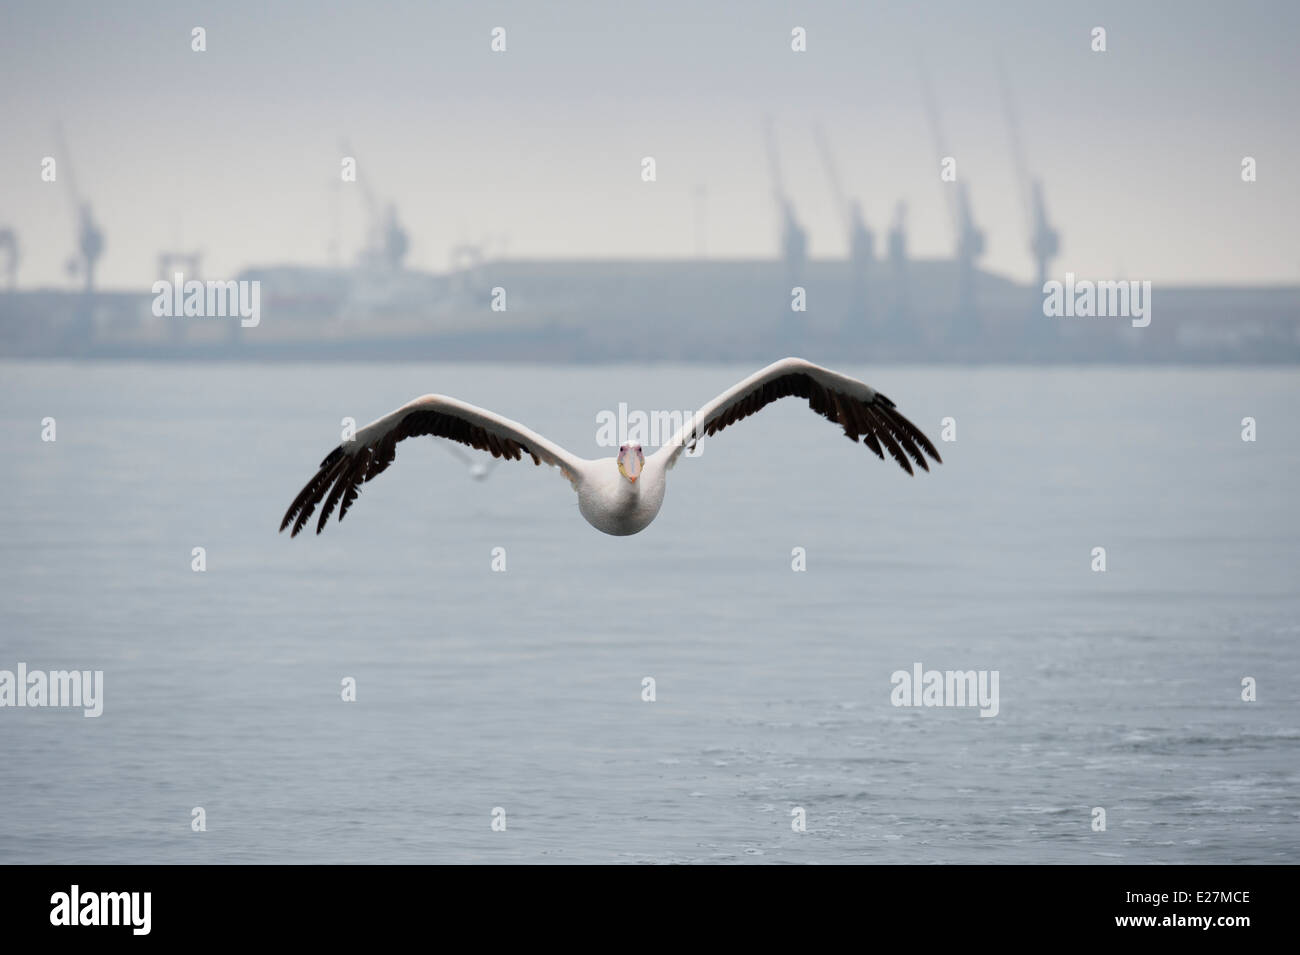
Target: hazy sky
x=537 y=150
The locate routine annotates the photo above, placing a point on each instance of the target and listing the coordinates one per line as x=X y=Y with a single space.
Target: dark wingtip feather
x=914 y=435
x=353 y=475
x=303 y=505
x=332 y=457
x=305 y=496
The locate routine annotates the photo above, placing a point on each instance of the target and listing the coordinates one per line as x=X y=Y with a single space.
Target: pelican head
x=630 y=461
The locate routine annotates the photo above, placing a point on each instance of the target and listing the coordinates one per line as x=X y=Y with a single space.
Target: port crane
x=970 y=238
x=9 y=249
x=1044 y=240
x=90 y=238
x=861 y=241
x=794 y=239
x=388 y=242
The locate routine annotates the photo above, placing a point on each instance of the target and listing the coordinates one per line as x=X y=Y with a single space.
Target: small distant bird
x=619 y=495
x=478 y=470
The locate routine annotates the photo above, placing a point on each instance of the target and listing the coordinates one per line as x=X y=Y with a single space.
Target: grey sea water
x=522 y=690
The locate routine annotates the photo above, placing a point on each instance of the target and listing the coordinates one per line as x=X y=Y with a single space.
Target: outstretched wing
x=373 y=448
x=859 y=409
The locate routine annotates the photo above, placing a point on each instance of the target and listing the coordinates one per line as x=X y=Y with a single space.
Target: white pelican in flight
x=619 y=495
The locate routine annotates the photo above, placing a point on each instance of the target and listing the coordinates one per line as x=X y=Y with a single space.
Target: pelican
x=617 y=495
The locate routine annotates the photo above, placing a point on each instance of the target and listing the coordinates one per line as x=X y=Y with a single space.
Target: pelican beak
x=630 y=461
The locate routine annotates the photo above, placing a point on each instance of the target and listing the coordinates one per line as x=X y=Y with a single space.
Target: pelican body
x=621 y=495
x=615 y=503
